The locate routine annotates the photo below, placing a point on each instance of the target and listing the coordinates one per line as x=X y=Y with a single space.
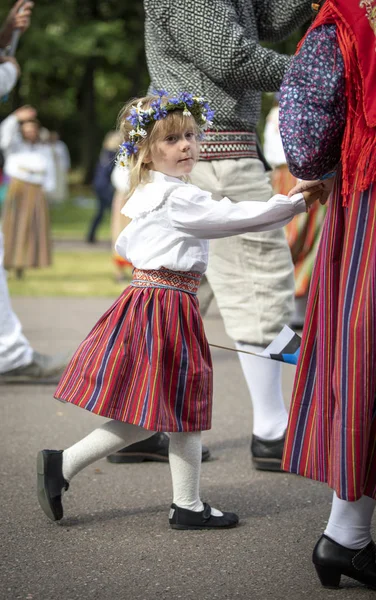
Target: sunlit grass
x=75 y=273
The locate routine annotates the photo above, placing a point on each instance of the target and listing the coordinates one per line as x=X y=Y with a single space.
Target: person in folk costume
x=104 y=190
x=213 y=49
x=328 y=122
x=62 y=164
x=29 y=164
x=303 y=233
x=146 y=364
x=119 y=221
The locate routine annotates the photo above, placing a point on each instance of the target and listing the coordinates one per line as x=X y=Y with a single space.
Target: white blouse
x=172 y=222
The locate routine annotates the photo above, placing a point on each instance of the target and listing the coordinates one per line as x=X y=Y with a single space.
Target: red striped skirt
x=147 y=360
x=331 y=435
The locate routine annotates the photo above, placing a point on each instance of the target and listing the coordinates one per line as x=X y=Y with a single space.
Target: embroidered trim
x=370 y=7
x=183 y=281
x=229 y=144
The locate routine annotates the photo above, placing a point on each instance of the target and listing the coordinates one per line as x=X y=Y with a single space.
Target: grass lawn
x=73 y=273
x=78 y=269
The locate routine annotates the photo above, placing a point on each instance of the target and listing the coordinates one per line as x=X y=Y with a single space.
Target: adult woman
x=29 y=164
x=328 y=121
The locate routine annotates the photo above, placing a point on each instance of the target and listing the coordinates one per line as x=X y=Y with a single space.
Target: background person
x=30 y=167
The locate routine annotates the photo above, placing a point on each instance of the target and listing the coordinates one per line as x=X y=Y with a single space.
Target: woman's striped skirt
x=147 y=360
x=331 y=435
x=26 y=226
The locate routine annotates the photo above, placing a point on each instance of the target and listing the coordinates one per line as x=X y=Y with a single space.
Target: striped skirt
x=147 y=360
x=331 y=436
x=26 y=226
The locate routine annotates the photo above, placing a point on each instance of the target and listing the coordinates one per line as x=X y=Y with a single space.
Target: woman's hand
x=25 y=113
x=326 y=187
x=313 y=193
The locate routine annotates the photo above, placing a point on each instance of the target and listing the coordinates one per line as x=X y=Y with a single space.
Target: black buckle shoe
x=182 y=518
x=332 y=560
x=154 y=448
x=51 y=483
x=267 y=454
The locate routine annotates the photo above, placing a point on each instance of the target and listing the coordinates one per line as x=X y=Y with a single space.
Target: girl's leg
x=108 y=438
x=55 y=468
x=187 y=510
x=350 y=522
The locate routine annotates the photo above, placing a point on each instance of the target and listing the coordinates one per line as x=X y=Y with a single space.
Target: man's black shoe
x=154 y=448
x=51 y=483
x=267 y=454
x=182 y=518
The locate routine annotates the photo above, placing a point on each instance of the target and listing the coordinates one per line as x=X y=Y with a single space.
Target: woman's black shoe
x=182 y=518
x=51 y=483
x=332 y=560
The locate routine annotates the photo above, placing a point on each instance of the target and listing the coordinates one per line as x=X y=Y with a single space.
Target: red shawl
x=355 y=21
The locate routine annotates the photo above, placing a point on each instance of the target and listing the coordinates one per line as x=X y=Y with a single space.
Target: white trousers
x=251 y=274
x=15 y=350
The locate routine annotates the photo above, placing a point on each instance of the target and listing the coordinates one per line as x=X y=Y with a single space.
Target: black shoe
x=182 y=518
x=267 y=454
x=154 y=448
x=51 y=483
x=332 y=560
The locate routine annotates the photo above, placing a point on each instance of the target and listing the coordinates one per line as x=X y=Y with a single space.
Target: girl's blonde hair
x=174 y=122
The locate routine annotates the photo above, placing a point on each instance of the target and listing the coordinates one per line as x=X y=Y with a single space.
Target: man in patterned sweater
x=211 y=48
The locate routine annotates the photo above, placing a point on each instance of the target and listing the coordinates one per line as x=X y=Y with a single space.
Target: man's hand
x=11 y=59
x=326 y=187
x=18 y=18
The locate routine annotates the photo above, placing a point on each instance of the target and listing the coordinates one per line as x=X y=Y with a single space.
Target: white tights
x=350 y=522
x=184 y=455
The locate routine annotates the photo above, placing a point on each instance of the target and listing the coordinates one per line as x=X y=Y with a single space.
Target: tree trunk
x=87 y=111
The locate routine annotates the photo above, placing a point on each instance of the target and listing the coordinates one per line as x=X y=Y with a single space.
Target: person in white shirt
x=19 y=362
x=30 y=166
x=146 y=364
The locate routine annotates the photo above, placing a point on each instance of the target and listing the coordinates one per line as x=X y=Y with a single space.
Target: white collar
x=150 y=196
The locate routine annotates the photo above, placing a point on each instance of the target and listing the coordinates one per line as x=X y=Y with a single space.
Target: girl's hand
x=312 y=194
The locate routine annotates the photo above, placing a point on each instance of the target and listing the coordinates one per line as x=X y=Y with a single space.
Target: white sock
x=264 y=380
x=350 y=522
x=101 y=442
x=185 y=464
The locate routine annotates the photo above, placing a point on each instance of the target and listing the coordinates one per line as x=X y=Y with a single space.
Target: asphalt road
x=114 y=542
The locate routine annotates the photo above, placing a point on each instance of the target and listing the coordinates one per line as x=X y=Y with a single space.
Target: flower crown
x=192 y=106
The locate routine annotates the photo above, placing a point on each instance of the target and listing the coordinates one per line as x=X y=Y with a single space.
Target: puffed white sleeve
x=195 y=212
x=10 y=136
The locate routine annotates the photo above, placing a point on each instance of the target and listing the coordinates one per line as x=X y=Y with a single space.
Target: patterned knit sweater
x=211 y=48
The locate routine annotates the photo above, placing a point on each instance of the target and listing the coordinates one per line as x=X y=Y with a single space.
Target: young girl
x=146 y=364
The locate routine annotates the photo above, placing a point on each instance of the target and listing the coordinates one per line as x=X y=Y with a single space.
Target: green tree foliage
x=81 y=60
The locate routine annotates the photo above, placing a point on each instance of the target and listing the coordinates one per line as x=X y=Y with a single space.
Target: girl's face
x=176 y=153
